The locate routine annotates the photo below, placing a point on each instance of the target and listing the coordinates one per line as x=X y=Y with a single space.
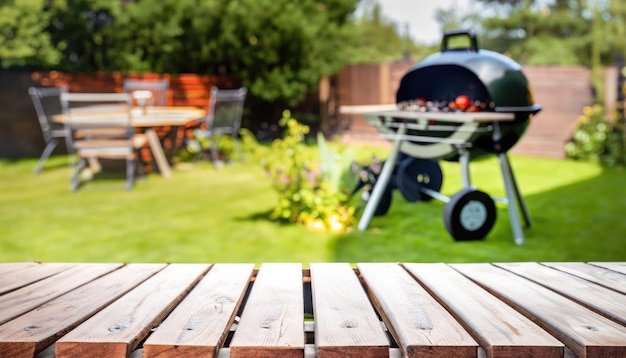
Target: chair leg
x=130 y=173
x=75 y=179
x=45 y=155
x=214 y=156
x=239 y=150
x=139 y=164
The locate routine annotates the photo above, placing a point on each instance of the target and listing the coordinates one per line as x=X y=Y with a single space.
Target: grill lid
x=497 y=75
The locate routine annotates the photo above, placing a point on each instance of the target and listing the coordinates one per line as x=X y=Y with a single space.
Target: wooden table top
x=151 y=117
x=330 y=310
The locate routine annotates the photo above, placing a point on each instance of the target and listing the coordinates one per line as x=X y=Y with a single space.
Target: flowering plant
x=596 y=139
x=311 y=192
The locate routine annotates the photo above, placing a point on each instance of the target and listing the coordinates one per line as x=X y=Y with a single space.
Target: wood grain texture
x=346 y=324
x=602 y=276
x=602 y=300
x=501 y=330
x=200 y=323
x=16 y=275
x=272 y=322
x=583 y=331
x=32 y=332
x=420 y=324
x=117 y=329
x=615 y=266
x=29 y=297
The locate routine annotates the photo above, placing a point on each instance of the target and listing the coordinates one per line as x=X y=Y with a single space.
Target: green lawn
x=207 y=215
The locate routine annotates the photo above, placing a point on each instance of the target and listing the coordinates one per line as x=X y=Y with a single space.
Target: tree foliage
x=23 y=37
x=279 y=48
x=558 y=32
x=379 y=40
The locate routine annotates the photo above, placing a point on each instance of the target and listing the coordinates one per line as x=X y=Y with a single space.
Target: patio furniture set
x=117 y=125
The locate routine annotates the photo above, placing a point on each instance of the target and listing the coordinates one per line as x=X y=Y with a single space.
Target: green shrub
x=311 y=191
x=597 y=139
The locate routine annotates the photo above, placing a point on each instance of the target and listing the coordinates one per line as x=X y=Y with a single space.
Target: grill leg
x=381 y=182
x=464 y=159
x=512 y=195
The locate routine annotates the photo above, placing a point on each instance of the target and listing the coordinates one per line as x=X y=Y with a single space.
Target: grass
x=207 y=215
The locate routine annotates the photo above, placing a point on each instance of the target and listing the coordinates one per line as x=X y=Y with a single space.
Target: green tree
x=79 y=28
x=379 y=39
x=24 y=40
x=279 y=48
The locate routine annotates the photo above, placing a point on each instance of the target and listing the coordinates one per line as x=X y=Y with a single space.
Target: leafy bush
x=311 y=191
x=596 y=139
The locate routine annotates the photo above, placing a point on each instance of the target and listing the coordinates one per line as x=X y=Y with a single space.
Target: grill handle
x=461 y=32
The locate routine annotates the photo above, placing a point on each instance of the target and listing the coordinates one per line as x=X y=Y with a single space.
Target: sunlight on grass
x=206 y=215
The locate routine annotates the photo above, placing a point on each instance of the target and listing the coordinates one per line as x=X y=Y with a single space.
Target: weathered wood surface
x=371 y=310
x=607 y=278
x=272 y=322
x=585 y=332
x=33 y=331
x=16 y=276
x=604 y=301
x=500 y=329
x=615 y=266
x=417 y=321
x=199 y=325
x=117 y=329
x=27 y=298
x=346 y=325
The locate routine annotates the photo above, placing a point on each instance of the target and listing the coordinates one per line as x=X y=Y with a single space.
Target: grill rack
x=468 y=204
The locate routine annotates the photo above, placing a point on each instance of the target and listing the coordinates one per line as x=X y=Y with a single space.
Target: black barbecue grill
x=458 y=104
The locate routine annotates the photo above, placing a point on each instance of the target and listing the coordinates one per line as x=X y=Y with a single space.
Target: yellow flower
x=588 y=111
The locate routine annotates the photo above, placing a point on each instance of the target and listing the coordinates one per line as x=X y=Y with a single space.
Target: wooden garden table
x=329 y=310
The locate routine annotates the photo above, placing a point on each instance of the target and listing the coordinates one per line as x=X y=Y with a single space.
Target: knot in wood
x=349 y=323
x=590 y=327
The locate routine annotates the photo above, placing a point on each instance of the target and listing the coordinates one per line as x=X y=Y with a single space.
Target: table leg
x=382 y=181
x=157 y=153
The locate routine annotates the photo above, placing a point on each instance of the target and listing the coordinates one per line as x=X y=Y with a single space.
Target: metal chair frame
x=158 y=88
x=224 y=116
x=52 y=132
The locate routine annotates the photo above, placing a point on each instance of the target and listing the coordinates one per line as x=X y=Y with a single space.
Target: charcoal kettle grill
x=457 y=105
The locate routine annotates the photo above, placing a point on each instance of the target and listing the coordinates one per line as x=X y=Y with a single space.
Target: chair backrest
x=157 y=88
x=47 y=103
x=94 y=111
x=225 y=110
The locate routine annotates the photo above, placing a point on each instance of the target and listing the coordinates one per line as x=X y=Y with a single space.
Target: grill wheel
x=415 y=174
x=469 y=215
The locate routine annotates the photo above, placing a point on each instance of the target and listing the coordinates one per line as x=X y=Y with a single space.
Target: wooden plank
x=615 y=266
x=346 y=324
x=600 y=299
x=32 y=332
x=602 y=276
x=272 y=322
x=6 y=267
x=586 y=333
x=13 y=276
x=419 y=323
x=501 y=330
x=120 y=327
x=27 y=298
x=200 y=323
